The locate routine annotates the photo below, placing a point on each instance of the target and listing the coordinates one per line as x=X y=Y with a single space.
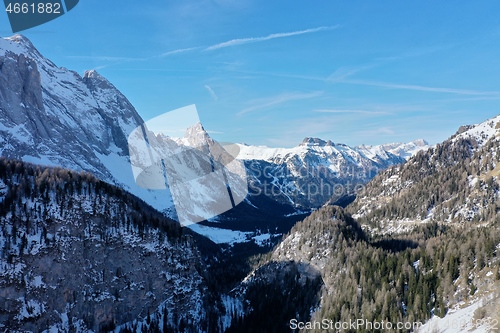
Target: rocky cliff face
x=53 y=116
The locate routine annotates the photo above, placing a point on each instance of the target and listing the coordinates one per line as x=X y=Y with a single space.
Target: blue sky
x=272 y=73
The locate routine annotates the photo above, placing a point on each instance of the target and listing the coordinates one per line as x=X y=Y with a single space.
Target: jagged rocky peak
x=196 y=135
x=19 y=39
x=95 y=80
x=92 y=73
x=309 y=142
x=53 y=116
x=196 y=128
x=119 y=111
x=420 y=142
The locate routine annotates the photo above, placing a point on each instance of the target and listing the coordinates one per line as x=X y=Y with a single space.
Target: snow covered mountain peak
x=20 y=39
x=420 y=142
x=310 y=142
x=297 y=172
x=92 y=73
x=196 y=129
x=335 y=150
x=19 y=44
x=195 y=136
x=481 y=133
x=96 y=79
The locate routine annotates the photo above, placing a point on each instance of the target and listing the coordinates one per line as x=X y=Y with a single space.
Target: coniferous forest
x=407 y=278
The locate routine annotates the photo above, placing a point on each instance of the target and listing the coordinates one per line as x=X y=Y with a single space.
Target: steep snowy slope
x=480 y=133
x=52 y=116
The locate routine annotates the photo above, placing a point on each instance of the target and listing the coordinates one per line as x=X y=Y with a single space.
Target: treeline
x=32 y=196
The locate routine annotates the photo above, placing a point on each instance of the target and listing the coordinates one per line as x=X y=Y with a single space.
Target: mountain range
x=52 y=116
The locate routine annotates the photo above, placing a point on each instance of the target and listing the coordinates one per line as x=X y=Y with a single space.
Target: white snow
x=458 y=321
x=266 y=153
x=29 y=309
x=42 y=160
x=219 y=236
x=262 y=239
x=37 y=282
x=404 y=150
x=234 y=308
x=473 y=181
x=9 y=44
x=3 y=190
x=481 y=132
x=119 y=168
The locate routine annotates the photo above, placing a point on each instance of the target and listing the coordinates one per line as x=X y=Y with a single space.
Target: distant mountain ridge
x=310 y=174
x=405 y=150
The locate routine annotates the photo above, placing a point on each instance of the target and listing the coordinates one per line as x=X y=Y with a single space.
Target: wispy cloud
x=212 y=93
x=104 y=58
x=119 y=60
x=365 y=112
x=344 y=72
x=422 y=88
x=169 y=53
x=272 y=101
x=284 y=75
x=111 y=61
x=240 y=41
